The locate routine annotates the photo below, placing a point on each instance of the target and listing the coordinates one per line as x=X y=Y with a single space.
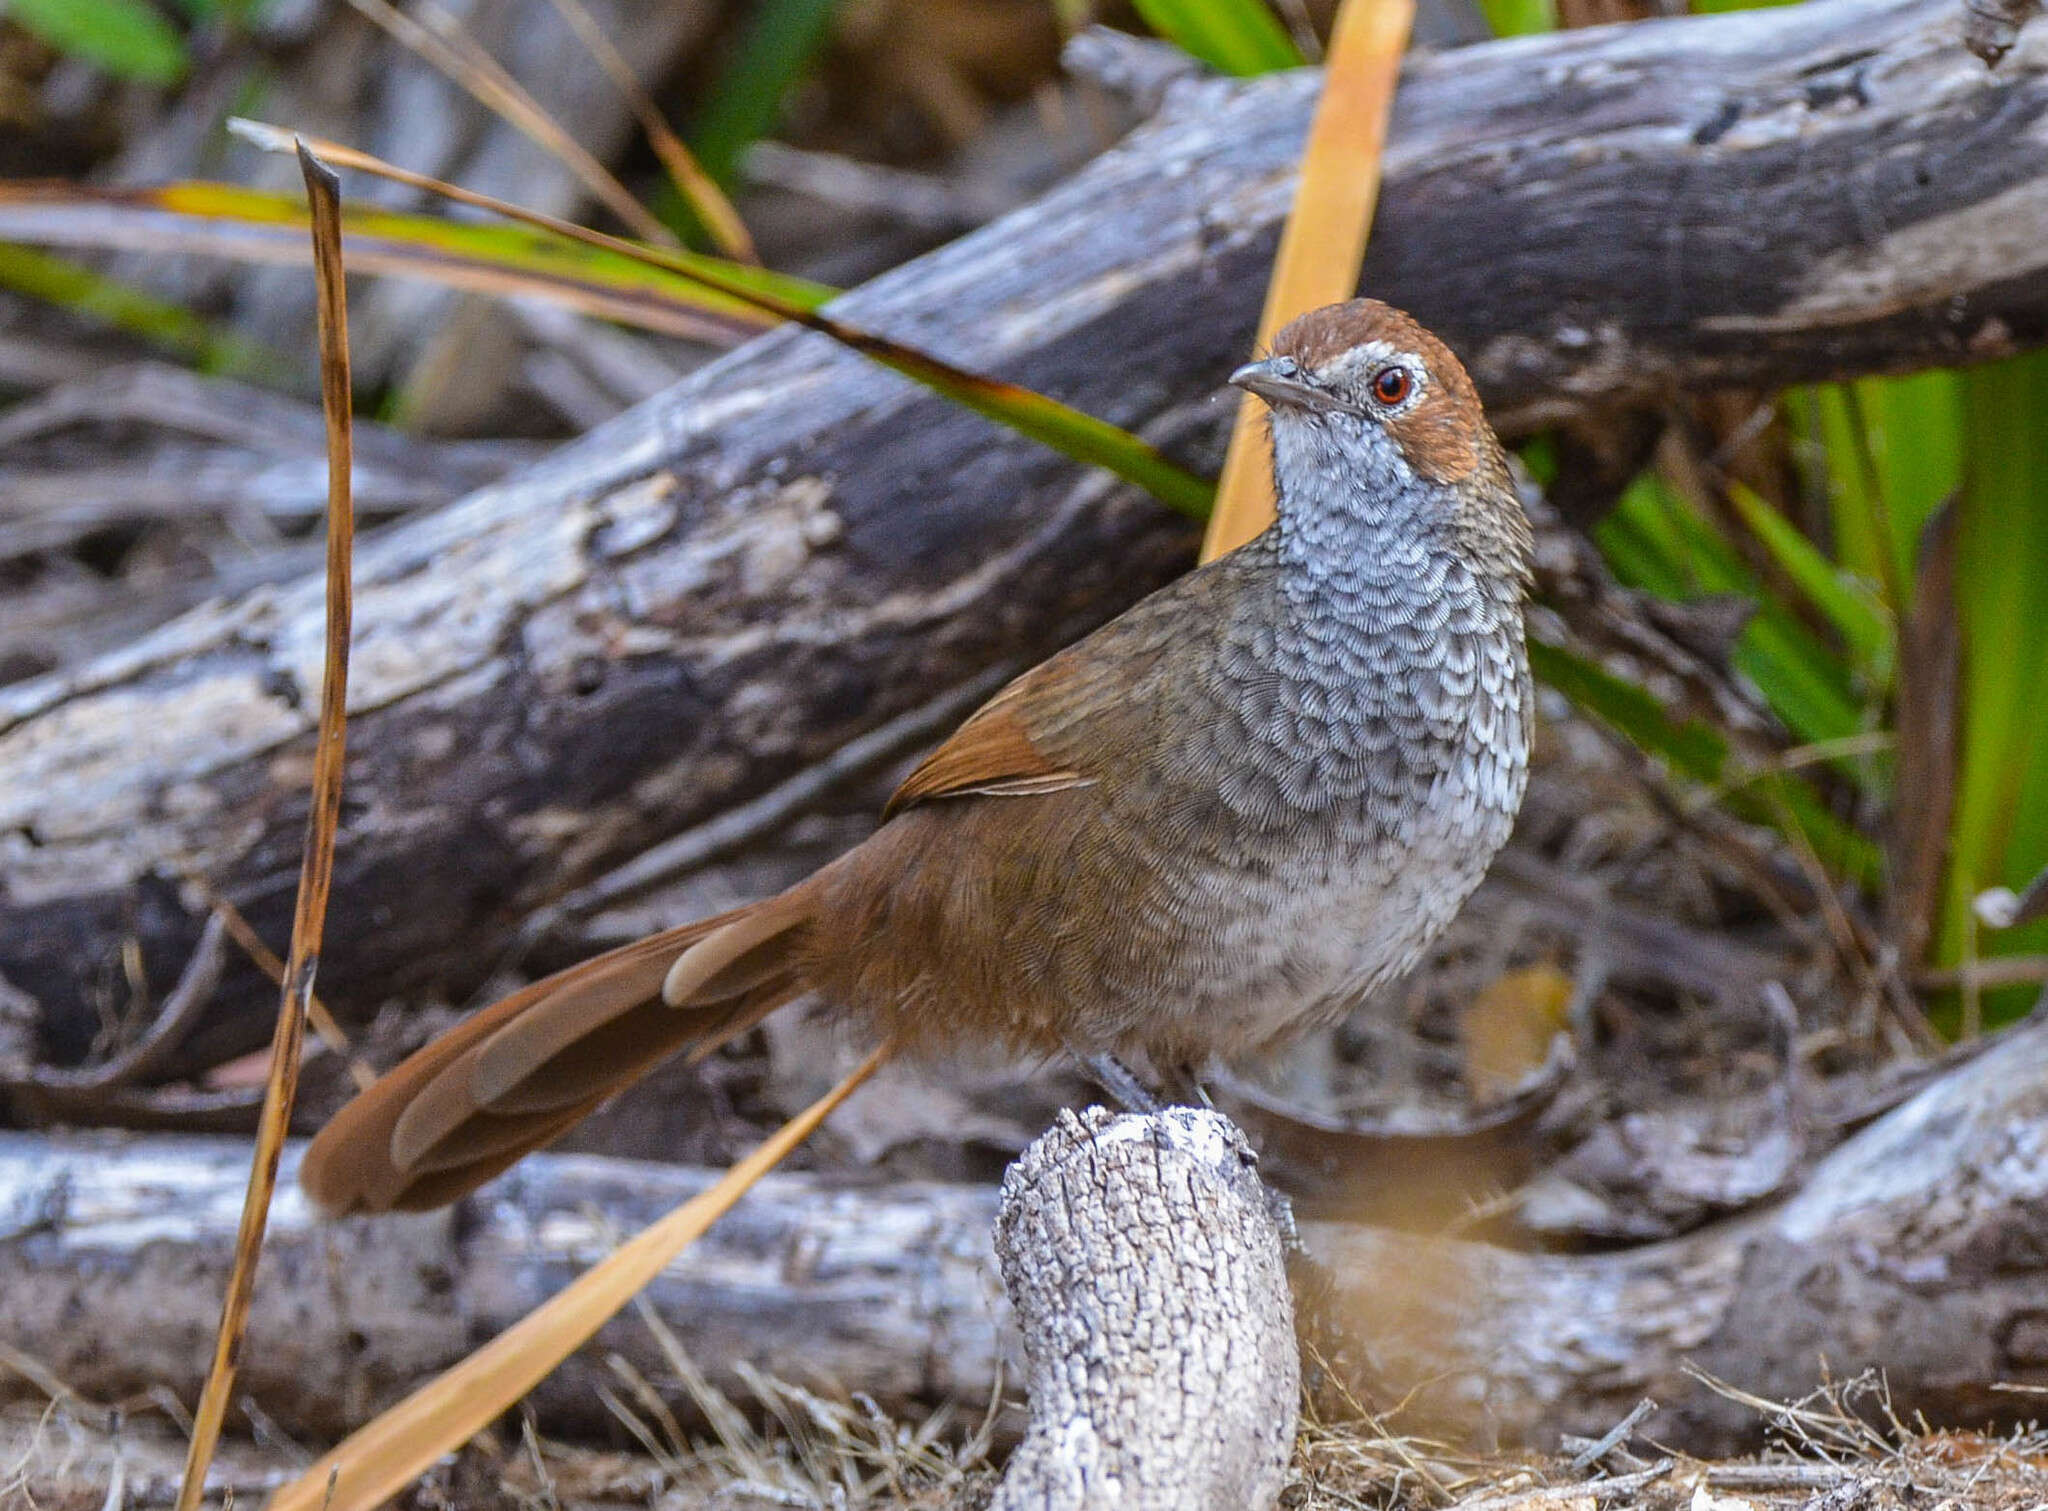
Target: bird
x=1218 y=821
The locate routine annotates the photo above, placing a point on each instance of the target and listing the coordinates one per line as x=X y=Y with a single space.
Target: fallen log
x=709 y=596
x=114 y=1252
x=1919 y=1247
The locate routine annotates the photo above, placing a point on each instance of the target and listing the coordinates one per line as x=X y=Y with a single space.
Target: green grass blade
x=653 y=287
x=1886 y=453
x=2000 y=832
x=252 y=226
x=1065 y=429
x=1236 y=36
x=1848 y=605
x=85 y=291
x=1913 y=428
x=1657 y=542
x=777 y=47
x=1519 y=18
x=127 y=38
x=1697 y=751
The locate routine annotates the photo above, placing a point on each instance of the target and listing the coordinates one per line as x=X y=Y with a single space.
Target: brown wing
x=992 y=754
x=1077 y=716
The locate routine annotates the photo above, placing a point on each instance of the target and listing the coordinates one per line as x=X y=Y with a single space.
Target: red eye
x=1390 y=385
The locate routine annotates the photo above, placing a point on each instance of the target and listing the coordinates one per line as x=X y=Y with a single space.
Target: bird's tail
x=523 y=1071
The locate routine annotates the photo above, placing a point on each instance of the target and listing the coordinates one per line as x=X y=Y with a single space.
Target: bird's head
x=1371 y=412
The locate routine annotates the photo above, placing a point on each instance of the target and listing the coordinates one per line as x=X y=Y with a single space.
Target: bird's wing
x=1078 y=716
x=994 y=754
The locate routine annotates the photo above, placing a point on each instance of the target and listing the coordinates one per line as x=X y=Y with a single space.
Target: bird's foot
x=1120 y=1083
x=1177 y=1085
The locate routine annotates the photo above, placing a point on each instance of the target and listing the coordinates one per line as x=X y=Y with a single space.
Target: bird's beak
x=1279 y=382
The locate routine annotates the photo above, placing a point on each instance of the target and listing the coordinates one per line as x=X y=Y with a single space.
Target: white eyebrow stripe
x=1377 y=353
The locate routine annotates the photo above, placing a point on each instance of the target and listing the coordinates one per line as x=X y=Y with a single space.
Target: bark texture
x=1919 y=1246
x=114 y=1254
x=1145 y=1267
x=704 y=599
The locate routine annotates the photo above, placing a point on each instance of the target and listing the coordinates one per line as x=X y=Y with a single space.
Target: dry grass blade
x=244 y=934
x=385 y=1455
x=316 y=865
x=1324 y=242
x=1930 y=670
x=1060 y=426
x=699 y=189
x=444 y=43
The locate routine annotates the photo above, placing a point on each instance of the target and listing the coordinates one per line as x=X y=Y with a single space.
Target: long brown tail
x=523 y=1071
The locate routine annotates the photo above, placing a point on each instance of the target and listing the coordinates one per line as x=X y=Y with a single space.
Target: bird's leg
x=1120 y=1082
x=1177 y=1084
x=1180 y=1082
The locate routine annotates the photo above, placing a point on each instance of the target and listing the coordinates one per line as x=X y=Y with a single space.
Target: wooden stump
x=1145 y=1264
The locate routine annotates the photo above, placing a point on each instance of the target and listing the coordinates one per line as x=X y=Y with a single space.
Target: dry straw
x=383 y=1457
x=316 y=863
x=1324 y=242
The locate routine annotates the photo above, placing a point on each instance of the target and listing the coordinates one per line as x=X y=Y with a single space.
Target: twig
x=1596 y=1450
x=177 y=1018
x=244 y=934
x=1987 y=974
x=316 y=864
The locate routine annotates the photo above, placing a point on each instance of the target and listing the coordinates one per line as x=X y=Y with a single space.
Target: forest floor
x=835 y=1455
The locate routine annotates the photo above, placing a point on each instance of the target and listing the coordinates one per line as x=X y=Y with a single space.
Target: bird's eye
x=1390 y=385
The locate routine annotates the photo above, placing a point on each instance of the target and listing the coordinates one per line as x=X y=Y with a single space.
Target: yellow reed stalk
x=1324 y=242
x=385 y=1455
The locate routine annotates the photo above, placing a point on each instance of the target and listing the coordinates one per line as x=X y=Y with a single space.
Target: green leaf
x=127 y=38
x=85 y=291
x=776 y=49
x=1695 y=750
x=1236 y=36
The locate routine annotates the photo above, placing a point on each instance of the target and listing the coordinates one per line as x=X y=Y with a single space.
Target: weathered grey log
x=791 y=548
x=1990 y=27
x=1920 y=1246
x=114 y=1254
x=1146 y=1271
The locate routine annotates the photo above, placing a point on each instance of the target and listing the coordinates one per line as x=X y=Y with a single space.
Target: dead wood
x=209 y=446
x=1990 y=27
x=114 y=1253
x=703 y=600
x=1145 y=1266
x=1919 y=1247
